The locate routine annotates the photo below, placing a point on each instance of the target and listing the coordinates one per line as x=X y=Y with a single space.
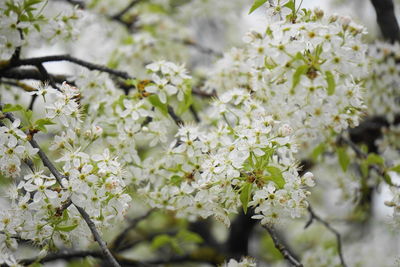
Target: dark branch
x=97 y=237
x=194 y=113
x=239 y=234
x=279 y=245
x=204 y=94
x=65 y=255
x=80 y=62
x=31 y=74
x=119 y=15
x=200 y=48
x=175 y=117
x=387 y=19
x=313 y=217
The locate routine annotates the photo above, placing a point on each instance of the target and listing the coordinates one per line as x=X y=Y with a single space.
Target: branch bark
x=91 y=66
x=387 y=19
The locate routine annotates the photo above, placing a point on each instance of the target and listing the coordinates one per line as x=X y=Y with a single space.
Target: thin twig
x=132 y=224
x=362 y=155
x=175 y=117
x=200 y=48
x=194 y=113
x=283 y=250
x=313 y=217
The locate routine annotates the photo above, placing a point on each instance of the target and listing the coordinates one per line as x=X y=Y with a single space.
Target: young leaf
x=330 y=79
x=11 y=108
x=256 y=4
x=245 y=195
x=160 y=241
x=188 y=236
x=41 y=124
x=66 y=228
x=276 y=176
x=395 y=169
x=375 y=159
x=301 y=70
x=343 y=157
x=185 y=104
x=155 y=101
x=387 y=179
x=318 y=151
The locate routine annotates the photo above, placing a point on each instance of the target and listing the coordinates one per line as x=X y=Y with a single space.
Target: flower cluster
x=395 y=204
x=63 y=106
x=169 y=79
x=243 y=158
x=14 y=147
x=20 y=18
x=305 y=72
x=42 y=209
x=244 y=262
x=382 y=83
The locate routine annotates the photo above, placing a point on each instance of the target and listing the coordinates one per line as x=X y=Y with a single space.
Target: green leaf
x=387 y=179
x=66 y=228
x=291 y=5
x=330 y=79
x=160 y=241
x=276 y=176
x=41 y=124
x=364 y=168
x=319 y=150
x=166 y=240
x=395 y=169
x=375 y=159
x=343 y=157
x=301 y=70
x=155 y=101
x=11 y=108
x=185 y=103
x=256 y=4
x=176 y=180
x=245 y=195
x=188 y=236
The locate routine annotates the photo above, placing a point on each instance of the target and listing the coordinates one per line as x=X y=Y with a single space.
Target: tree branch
x=313 y=217
x=119 y=15
x=387 y=19
x=66 y=57
x=64 y=255
x=31 y=74
x=288 y=255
